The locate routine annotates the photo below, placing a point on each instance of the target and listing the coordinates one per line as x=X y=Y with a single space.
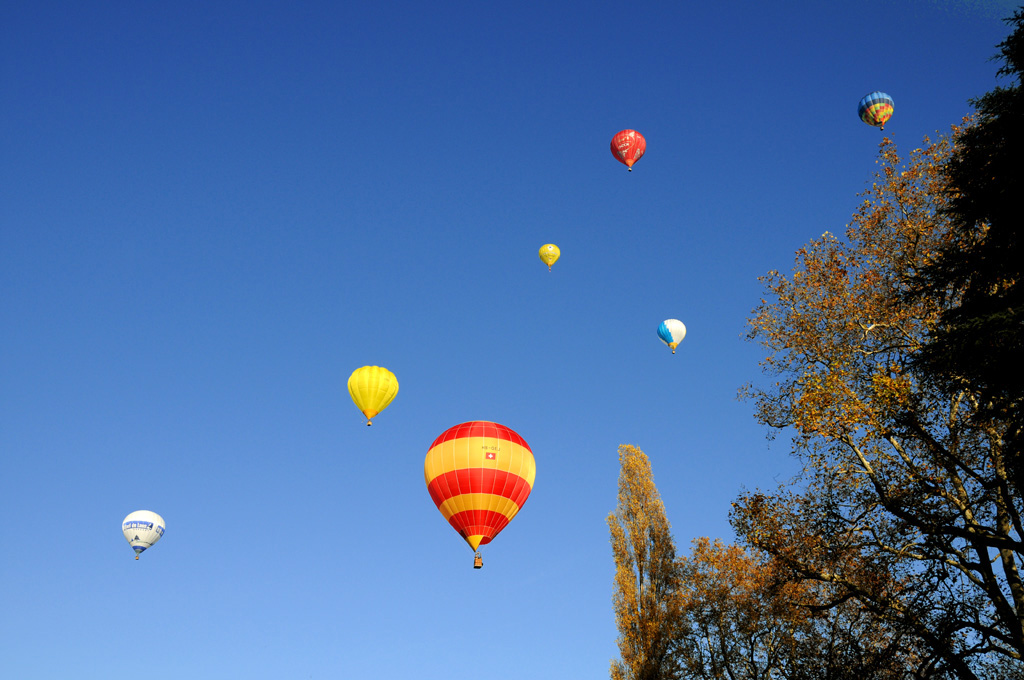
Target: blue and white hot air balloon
x=142 y=529
x=672 y=332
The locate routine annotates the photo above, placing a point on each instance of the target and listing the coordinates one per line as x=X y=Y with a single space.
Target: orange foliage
x=646 y=575
x=745 y=618
x=904 y=504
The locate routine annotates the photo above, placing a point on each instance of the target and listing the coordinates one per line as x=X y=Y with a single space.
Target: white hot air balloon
x=672 y=332
x=142 y=529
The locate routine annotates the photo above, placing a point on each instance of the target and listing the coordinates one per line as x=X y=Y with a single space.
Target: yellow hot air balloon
x=549 y=254
x=372 y=389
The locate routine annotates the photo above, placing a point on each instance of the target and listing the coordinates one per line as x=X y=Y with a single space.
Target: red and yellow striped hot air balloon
x=479 y=474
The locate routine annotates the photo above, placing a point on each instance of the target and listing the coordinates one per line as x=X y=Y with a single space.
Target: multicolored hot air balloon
x=672 y=332
x=479 y=474
x=372 y=389
x=549 y=254
x=142 y=529
x=628 y=146
x=875 y=109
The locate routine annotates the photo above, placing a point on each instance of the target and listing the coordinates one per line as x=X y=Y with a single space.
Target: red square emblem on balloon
x=491 y=455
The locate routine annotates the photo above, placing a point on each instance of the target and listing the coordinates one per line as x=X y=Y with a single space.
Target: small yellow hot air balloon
x=372 y=389
x=549 y=254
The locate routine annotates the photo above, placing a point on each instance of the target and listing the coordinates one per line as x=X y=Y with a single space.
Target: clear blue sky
x=211 y=213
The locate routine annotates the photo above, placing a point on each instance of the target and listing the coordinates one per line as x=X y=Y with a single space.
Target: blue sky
x=209 y=216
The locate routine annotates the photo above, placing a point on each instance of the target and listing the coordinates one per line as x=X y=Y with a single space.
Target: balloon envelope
x=875 y=109
x=672 y=332
x=142 y=529
x=628 y=146
x=479 y=474
x=549 y=254
x=372 y=388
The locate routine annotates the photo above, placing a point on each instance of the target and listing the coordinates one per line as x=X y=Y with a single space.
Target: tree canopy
x=646 y=575
x=979 y=272
x=905 y=504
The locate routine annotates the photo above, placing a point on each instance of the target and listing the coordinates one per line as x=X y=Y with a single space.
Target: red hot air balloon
x=628 y=146
x=479 y=474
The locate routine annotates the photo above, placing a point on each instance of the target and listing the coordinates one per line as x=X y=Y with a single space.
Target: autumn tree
x=904 y=505
x=735 y=627
x=646 y=575
x=979 y=339
x=745 y=619
x=724 y=612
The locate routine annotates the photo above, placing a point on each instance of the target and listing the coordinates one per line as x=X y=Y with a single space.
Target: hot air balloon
x=628 y=146
x=372 y=389
x=479 y=474
x=875 y=109
x=142 y=529
x=672 y=332
x=549 y=254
